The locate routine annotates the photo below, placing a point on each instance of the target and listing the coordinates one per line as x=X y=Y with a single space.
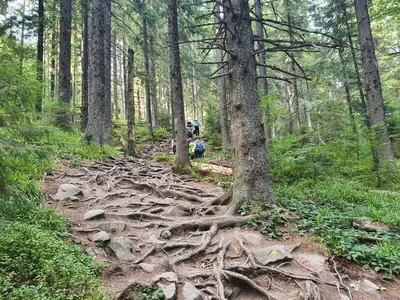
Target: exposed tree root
x=139 y=260
x=222 y=200
x=141 y=216
x=184 y=195
x=341 y=280
x=249 y=282
x=218 y=267
x=209 y=235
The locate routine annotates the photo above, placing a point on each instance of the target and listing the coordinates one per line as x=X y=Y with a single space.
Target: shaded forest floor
x=155 y=230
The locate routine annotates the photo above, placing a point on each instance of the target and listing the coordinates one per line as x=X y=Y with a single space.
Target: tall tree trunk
x=53 y=54
x=98 y=129
x=139 y=102
x=123 y=79
x=221 y=84
x=64 y=92
x=355 y=61
x=295 y=94
x=251 y=181
x=130 y=107
x=115 y=74
x=147 y=70
x=182 y=149
x=85 y=63
x=383 y=150
x=39 y=76
x=22 y=51
x=262 y=81
x=153 y=83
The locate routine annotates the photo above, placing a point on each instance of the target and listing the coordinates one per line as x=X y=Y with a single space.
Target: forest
x=297 y=195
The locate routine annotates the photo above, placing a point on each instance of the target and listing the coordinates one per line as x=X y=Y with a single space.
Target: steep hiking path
x=159 y=230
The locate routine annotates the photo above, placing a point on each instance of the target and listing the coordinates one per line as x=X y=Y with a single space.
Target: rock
x=99 y=251
x=112 y=227
x=177 y=212
x=252 y=239
x=190 y=292
x=344 y=297
x=122 y=248
x=370 y=284
x=169 y=276
x=315 y=262
x=113 y=269
x=68 y=192
x=147 y=267
x=100 y=236
x=154 y=240
x=165 y=234
x=169 y=291
x=89 y=251
x=93 y=214
x=368 y=225
x=272 y=254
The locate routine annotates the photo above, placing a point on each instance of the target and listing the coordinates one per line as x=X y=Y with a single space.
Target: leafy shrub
x=161 y=156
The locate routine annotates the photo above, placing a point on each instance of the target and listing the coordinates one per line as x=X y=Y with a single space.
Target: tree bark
x=251 y=182
x=182 y=148
x=115 y=74
x=39 y=76
x=98 y=129
x=153 y=84
x=381 y=142
x=147 y=70
x=130 y=107
x=64 y=92
x=221 y=86
x=53 y=54
x=85 y=63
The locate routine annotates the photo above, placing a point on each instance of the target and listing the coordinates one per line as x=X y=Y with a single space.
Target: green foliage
x=161 y=156
x=148 y=293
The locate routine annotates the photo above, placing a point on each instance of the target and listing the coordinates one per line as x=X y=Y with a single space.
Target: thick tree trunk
x=221 y=86
x=123 y=79
x=39 y=76
x=147 y=70
x=251 y=181
x=182 y=149
x=64 y=92
x=383 y=150
x=53 y=68
x=98 y=129
x=85 y=63
x=115 y=75
x=153 y=84
x=130 y=107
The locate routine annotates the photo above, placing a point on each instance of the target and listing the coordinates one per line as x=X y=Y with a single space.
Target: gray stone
x=169 y=276
x=100 y=236
x=169 y=291
x=112 y=227
x=272 y=254
x=122 y=248
x=190 y=292
x=177 y=212
x=147 y=267
x=315 y=262
x=165 y=234
x=93 y=214
x=368 y=225
x=154 y=240
x=370 y=284
x=99 y=251
x=68 y=192
x=113 y=269
x=344 y=297
x=252 y=239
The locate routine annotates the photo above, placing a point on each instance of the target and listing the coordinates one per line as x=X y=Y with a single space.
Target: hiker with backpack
x=192 y=147
x=189 y=129
x=200 y=148
x=196 y=126
x=173 y=145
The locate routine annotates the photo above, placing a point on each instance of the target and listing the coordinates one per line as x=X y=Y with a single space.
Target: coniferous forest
x=288 y=187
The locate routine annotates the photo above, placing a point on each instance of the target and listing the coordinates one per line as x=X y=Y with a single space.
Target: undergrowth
x=37 y=257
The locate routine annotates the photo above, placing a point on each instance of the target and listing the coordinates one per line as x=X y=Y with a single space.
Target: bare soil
x=175 y=227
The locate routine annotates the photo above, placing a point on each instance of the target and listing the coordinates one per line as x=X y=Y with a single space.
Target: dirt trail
x=155 y=228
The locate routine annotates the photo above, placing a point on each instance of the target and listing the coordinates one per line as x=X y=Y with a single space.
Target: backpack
x=200 y=146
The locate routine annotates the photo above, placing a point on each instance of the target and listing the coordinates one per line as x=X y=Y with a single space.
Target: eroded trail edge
x=155 y=228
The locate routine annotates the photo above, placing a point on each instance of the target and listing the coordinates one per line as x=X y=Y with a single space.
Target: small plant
x=149 y=293
x=161 y=156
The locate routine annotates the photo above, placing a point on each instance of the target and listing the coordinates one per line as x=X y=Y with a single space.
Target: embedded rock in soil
x=122 y=248
x=169 y=276
x=370 y=284
x=190 y=292
x=68 y=192
x=177 y=212
x=113 y=269
x=367 y=225
x=169 y=291
x=147 y=267
x=315 y=262
x=154 y=240
x=94 y=214
x=271 y=254
x=100 y=236
x=252 y=239
x=112 y=227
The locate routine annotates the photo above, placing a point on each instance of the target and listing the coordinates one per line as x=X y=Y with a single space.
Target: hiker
x=173 y=145
x=196 y=126
x=189 y=129
x=192 y=147
x=200 y=148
